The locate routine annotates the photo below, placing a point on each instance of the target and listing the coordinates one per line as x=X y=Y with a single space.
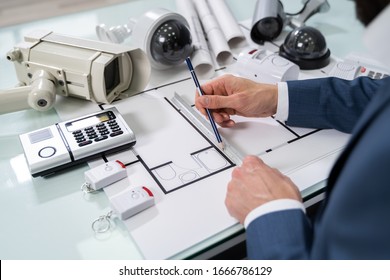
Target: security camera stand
x=40 y=95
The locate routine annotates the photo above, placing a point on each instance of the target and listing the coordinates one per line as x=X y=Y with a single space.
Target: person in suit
x=353 y=222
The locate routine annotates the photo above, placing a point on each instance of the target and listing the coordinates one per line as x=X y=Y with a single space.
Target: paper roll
x=228 y=24
x=214 y=33
x=200 y=57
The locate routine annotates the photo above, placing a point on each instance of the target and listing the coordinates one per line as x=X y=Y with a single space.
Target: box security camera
x=47 y=64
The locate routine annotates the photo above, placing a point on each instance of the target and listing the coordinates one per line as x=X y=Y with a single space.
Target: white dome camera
x=162 y=34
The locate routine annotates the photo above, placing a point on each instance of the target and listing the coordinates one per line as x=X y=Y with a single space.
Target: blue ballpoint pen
x=212 y=122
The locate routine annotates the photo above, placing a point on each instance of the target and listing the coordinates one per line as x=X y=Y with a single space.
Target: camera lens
x=171 y=43
x=111 y=75
x=267 y=29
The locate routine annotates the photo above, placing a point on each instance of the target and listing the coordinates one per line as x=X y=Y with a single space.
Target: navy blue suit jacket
x=354 y=222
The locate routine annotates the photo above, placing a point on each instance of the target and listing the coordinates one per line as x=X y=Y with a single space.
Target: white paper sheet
x=187 y=175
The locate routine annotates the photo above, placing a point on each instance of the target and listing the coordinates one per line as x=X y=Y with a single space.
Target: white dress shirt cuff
x=282 y=109
x=273 y=206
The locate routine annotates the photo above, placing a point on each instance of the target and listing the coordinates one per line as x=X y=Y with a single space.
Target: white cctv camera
x=269 y=18
x=162 y=34
x=47 y=64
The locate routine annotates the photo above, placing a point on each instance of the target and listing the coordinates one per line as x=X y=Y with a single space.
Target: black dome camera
x=171 y=42
x=306 y=47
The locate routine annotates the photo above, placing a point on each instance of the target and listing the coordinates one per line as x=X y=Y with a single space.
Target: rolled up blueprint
x=214 y=33
x=227 y=22
x=201 y=57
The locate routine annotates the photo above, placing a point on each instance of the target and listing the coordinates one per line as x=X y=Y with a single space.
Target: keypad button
x=116 y=129
x=85 y=143
x=378 y=75
x=114 y=126
x=100 y=138
x=116 y=133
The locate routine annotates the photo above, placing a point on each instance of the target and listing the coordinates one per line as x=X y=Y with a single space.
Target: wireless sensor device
x=124 y=205
x=104 y=175
x=356 y=65
x=67 y=143
x=131 y=201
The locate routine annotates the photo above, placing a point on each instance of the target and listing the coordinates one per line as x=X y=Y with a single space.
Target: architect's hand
x=255 y=183
x=230 y=95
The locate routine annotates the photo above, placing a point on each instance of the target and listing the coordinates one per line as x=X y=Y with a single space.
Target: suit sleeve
x=279 y=235
x=330 y=102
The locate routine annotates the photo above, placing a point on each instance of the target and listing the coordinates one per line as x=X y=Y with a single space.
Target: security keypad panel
x=67 y=143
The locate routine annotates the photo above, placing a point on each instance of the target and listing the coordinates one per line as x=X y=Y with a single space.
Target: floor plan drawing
x=179 y=160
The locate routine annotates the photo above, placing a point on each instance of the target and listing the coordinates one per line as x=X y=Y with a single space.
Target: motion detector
x=264 y=66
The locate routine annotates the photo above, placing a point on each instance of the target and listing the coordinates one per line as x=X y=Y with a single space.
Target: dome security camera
x=306 y=47
x=162 y=34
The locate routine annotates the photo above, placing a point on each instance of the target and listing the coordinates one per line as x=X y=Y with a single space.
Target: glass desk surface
x=48 y=218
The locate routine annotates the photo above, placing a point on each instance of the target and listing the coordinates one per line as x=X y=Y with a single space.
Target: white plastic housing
x=131 y=201
x=86 y=69
x=265 y=67
x=145 y=28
